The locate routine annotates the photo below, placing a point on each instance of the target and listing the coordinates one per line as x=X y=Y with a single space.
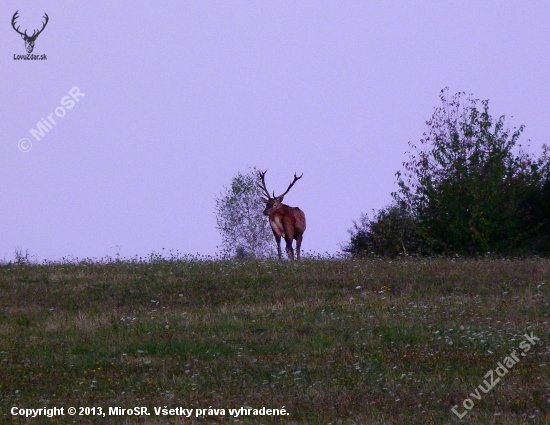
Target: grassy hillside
x=333 y=341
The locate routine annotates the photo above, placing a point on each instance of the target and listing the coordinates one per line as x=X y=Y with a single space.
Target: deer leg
x=278 y=241
x=289 y=250
x=298 y=245
x=289 y=237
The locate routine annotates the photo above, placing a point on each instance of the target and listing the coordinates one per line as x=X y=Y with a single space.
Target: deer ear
x=265 y=201
x=280 y=198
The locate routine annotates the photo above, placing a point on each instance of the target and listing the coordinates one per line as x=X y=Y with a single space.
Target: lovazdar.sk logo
x=29 y=39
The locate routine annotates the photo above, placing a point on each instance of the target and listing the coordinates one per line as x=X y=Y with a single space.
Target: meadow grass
x=333 y=341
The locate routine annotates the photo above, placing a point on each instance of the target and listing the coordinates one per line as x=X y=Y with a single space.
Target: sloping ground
x=322 y=341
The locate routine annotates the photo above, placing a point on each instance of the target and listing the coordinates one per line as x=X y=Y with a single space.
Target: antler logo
x=29 y=39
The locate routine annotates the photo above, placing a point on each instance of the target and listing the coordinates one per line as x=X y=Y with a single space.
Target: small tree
x=244 y=229
x=466 y=181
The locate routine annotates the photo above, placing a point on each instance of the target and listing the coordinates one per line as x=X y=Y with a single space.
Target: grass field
x=333 y=341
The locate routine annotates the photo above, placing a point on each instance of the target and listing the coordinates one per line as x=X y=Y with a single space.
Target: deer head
x=29 y=39
x=273 y=203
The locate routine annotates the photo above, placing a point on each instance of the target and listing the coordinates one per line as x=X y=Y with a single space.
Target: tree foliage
x=391 y=231
x=467 y=178
x=244 y=229
x=468 y=187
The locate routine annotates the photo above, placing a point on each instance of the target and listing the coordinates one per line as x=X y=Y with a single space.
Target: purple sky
x=181 y=95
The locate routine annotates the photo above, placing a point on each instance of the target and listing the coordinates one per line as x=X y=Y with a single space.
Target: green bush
x=391 y=231
x=469 y=180
x=468 y=188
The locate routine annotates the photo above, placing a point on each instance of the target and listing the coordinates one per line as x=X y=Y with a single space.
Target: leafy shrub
x=468 y=188
x=245 y=231
x=468 y=180
x=391 y=231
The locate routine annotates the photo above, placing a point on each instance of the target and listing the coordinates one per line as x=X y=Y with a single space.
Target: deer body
x=286 y=222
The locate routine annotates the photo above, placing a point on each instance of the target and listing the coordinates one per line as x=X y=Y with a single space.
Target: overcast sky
x=181 y=95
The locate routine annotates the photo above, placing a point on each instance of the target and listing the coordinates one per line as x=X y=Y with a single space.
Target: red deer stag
x=286 y=222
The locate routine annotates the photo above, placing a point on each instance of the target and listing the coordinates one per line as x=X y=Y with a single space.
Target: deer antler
x=262 y=186
x=34 y=34
x=43 y=26
x=46 y=17
x=291 y=184
x=13 y=24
